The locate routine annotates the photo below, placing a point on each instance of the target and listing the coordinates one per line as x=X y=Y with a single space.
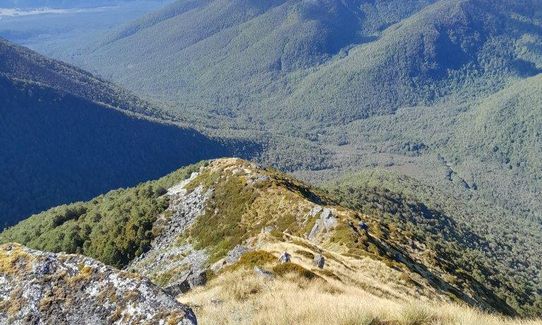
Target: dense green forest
x=113 y=228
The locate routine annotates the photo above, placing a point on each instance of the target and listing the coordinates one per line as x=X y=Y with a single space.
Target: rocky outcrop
x=327 y=222
x=176 y=267
x=186 y=282
x=47 y=288
x=232 y=257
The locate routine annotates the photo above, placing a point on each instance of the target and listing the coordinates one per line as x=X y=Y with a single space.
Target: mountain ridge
x=299 y=61
x=213 y=213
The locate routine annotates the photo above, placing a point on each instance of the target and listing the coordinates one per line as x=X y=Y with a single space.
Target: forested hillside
x=503 y=133
x=23 y=64
x=238 y=60
x=320 y=62
x=60 y=145
x=484 y=241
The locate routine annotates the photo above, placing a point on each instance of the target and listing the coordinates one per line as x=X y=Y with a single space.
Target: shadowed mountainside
x=64 y=136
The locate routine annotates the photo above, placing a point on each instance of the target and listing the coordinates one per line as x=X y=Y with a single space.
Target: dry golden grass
x=243 y=297
x=367 y=292
x=371 y=275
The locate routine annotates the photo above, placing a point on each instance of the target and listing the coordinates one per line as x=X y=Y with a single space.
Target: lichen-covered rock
x=232 y=257
x=47 y=288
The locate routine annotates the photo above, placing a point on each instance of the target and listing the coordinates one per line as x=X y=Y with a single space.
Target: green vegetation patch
x=251 y=259
x=166 y=277
x=306 y=254
x=113 y=228
x=220 y=232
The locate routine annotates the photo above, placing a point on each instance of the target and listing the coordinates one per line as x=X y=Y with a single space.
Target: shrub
x=292 y=268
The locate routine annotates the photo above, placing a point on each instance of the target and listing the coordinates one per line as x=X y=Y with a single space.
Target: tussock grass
x=292 y=268
x=242 y=297
x=251 y=259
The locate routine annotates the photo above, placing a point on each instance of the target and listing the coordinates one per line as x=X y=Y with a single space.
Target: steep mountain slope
x=491 y=243
x=457 y=49
x=46 y=288
x=224 y=58
x=23 y=64
x=63 y=136
x=502 y=133
x=229 y=215
x=325 y=61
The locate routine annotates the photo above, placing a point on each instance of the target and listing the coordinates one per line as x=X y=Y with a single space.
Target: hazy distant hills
x=58 y=3
x=63 y=136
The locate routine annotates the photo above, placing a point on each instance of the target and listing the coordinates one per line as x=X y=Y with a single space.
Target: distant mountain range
x=60 y=3
x=325 y=61
x=69 y=136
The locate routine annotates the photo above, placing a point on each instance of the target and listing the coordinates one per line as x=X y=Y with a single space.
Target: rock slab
x=46 y=288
